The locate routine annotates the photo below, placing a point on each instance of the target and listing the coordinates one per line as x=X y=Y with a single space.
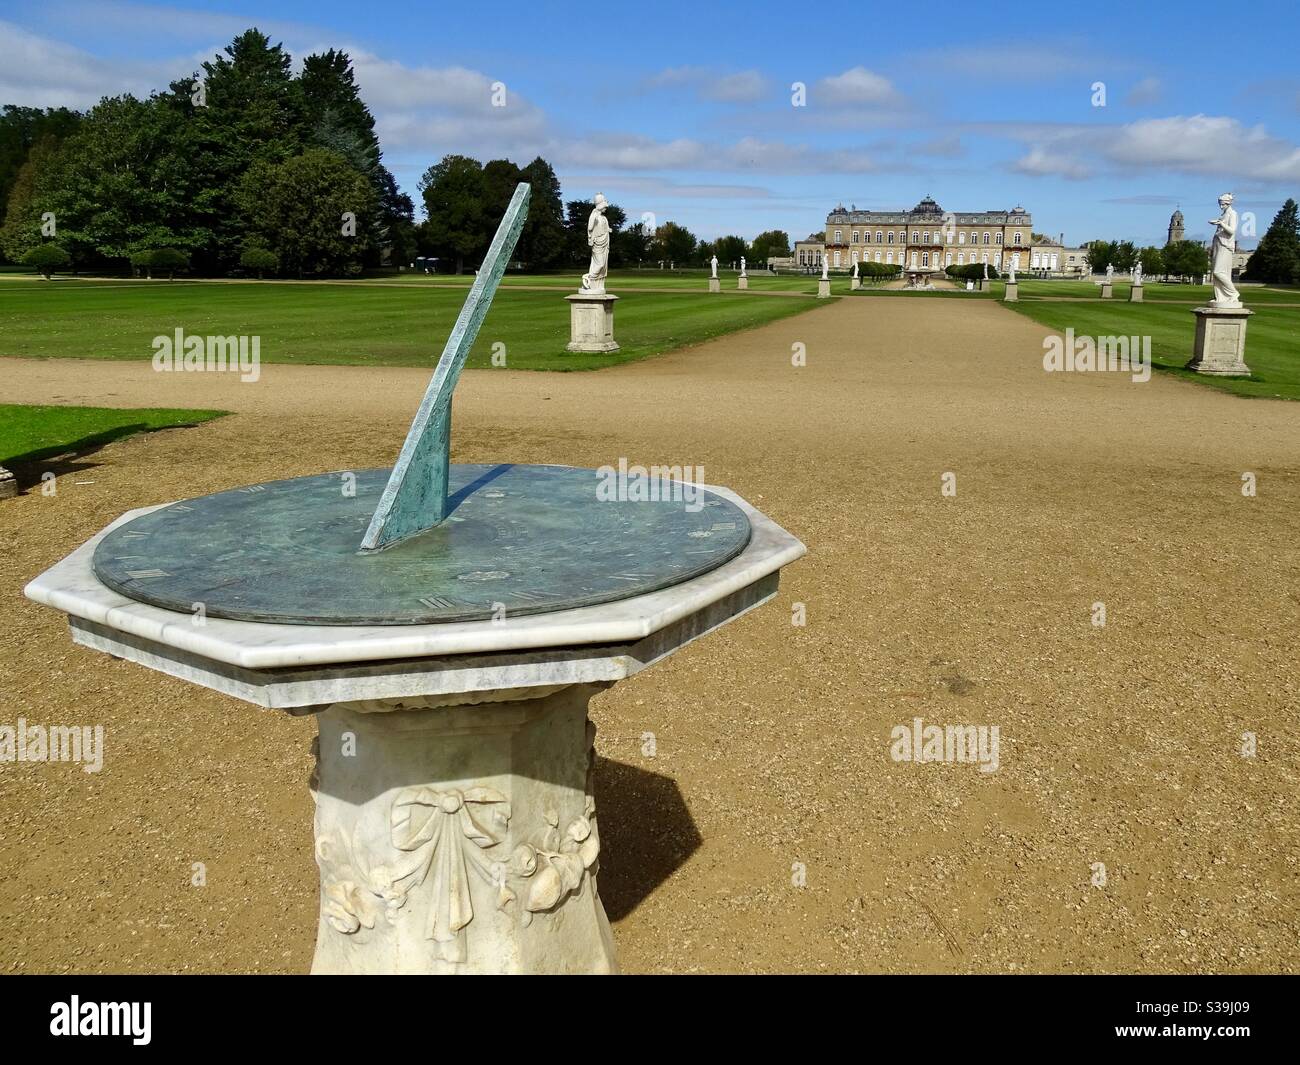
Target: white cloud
x=1208 y=145
x=745 y=86
x=856 y=86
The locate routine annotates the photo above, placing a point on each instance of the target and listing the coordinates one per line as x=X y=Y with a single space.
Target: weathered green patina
x=518 y=540
x=415 y=497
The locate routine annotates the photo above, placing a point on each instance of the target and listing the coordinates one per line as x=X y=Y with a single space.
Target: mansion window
x=1017 y=238
x=839 y=236
x=997 y=239
x=986 y=238
x=926 y=237
x=877 y=256
x=961 y=258
x=855 y=236
x=889 y=255
x=947 y=260
x=837 y=258
x=878 y=240
x=915 y=236
x=891 y=237
x=961 y=238
x=925 y=258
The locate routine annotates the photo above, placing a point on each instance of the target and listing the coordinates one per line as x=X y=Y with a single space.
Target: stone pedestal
x=591 y=322
x=742 y=283
x=715 y=285
x=855 y=284
x=1220 y=345
x=1106 y=290
x=823 y=290
x=1013 y=292
x=8 y=485
x=455 y=827
x=459 y=839
x=1135 y=294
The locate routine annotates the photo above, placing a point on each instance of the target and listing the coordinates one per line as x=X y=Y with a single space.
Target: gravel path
x=1119 y=744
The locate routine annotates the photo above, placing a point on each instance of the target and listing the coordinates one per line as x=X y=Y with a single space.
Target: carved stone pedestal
x=1135 y=294
x=8 y=486
x=455 y=825
x=742 y=283
x=591 y=322
x=715 y=284
x=1220 y=346
x=823 y=290
x=1106 y=290
x=458 y=838
x=1013 y=292
x=855 y=284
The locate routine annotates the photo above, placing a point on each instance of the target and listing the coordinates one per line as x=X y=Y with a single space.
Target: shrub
x=46 y=258
x=259 y=259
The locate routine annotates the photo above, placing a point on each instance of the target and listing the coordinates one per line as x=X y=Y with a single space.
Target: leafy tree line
x=464 y=200
x=1179 y=258
x=242 y=157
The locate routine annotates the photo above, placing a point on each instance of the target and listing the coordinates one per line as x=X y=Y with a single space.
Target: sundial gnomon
x=426 y=541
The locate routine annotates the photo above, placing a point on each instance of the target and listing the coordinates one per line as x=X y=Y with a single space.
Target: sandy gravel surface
x=1119 y=745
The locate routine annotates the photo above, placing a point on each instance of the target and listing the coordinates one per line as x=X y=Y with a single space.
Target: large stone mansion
x=929 y=238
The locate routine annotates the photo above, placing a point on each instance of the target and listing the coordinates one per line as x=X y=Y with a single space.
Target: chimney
x=1061 y=242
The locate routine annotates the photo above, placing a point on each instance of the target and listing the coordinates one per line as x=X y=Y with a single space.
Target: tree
x=397 y=232
x=1186 y=258
x=1101 y=254
x=259 y=259
x=334 y=114
x=771 y=244
x=673 y=243
x=1276 y=260
x=1153 y=262
x=21 y=130
x=171 y=260
x=315 y=211
x=46 y=258
x=22 y=229
x=541 y=244
x=730 y=249
x=454 y=192
x=577 y=213
x=1125 y=254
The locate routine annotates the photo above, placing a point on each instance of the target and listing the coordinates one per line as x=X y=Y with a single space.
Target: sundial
x=426 y=541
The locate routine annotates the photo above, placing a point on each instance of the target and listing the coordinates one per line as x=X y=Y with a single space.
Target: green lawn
x=1272 y=338
x=403 y=324
x=29 y=434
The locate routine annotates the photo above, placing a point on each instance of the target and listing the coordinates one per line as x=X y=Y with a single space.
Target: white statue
x=1137 y=273
x=825 y=266
x=1011 y=276
x=1110 y=272
x=598 y=238
x=714 y=263
x=742 y=267
x=1221 y=249
x=986 y=269
x=855 y=267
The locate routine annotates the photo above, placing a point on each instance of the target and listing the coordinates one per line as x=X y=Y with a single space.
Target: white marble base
x=1220 y=345
x=1013 y=292
x=8 y=485
x=459 y=839
x=455 y=825
x=1135 y=294
x=591 y=322
x=715 y=284
x=1106 y=290
x=742 y=283
x=855 y=284
x=823 y=290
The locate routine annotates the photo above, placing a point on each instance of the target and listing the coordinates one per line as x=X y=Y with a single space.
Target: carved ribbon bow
x=435 y=826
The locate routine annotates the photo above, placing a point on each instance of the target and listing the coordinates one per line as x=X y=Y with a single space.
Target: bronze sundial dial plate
x=517 y=540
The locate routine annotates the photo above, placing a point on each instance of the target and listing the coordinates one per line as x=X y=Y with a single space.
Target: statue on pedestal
x=742 y=267
x=1137 y=272
x=826 y=263
x=1110 y=273
x=714 y=264
x=598 y=239
x=986 y=269
x=855 y=267
x=1221 y=250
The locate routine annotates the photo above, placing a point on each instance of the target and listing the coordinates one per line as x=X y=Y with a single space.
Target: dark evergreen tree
x=1277 y=258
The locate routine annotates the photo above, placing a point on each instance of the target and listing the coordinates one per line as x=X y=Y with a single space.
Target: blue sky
x=684 y=110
